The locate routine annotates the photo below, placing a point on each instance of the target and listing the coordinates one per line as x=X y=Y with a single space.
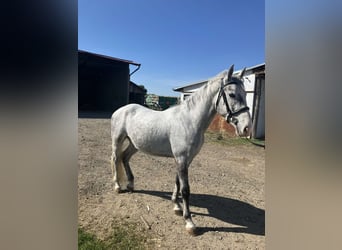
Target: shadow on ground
x=94 y=114
x=250 y=219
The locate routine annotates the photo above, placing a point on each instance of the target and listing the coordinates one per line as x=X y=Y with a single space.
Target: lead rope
x=254 y=143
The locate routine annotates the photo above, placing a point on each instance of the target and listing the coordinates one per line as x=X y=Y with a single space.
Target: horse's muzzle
x=246 y=131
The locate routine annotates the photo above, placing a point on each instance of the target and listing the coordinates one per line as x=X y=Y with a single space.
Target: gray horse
x=177 y=132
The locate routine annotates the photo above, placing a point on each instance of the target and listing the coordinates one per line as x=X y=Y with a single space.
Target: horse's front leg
x=185 y=191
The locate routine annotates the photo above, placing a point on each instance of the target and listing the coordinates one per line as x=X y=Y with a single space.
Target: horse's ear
x=230 y=72
x=242 y=73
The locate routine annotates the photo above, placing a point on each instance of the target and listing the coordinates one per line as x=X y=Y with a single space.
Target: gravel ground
x=227 y=194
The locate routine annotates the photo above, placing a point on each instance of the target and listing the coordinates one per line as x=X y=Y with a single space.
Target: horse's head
x=231 y=102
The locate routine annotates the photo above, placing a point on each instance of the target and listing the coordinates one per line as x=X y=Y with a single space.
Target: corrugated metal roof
x=180 y=89
x=109 y=57
x=256 y=68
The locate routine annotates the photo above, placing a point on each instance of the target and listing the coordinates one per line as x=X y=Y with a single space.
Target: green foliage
x=229 y=141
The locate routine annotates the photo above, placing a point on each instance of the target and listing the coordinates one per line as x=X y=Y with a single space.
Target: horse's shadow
x=250 y=219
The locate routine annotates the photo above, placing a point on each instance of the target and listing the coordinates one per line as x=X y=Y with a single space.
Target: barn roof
x=254 y=69
x=109 y=57
x=181 y=89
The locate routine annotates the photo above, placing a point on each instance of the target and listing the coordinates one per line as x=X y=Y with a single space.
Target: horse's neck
x=203 y=110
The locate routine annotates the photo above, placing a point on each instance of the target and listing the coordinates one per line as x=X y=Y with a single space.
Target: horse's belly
x=149 y=132
x=154 y=146
x=158 y=152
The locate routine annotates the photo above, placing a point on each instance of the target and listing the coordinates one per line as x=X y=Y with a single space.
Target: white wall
x=249 y=82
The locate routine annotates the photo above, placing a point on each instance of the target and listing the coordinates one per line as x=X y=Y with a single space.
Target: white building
x=254 y=81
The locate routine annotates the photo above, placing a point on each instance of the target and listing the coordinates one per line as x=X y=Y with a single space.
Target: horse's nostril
x=246 y=129
x=235 y=121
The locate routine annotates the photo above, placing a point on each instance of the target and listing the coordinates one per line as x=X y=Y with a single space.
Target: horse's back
x=132 y=107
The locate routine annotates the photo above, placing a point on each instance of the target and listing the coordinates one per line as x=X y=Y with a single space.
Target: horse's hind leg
x=126 y=156
x=116 y=163
x=117 y=170
x=177 y=208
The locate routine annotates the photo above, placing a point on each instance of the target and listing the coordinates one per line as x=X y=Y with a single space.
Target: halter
x=230 y=113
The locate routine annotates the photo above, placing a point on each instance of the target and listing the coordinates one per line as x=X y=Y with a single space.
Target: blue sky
x=177 y=42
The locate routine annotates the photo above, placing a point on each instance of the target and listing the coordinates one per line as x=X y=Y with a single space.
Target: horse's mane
x=211 y=85
x=202 y=93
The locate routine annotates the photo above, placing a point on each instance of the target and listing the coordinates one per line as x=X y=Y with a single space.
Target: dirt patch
x=227 y=193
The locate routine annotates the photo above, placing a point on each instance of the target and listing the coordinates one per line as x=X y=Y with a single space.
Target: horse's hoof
x=178 y=209
x=118 y=190
x=191 y=228
x=178 y=212
x=130 y=189
x=192 y=231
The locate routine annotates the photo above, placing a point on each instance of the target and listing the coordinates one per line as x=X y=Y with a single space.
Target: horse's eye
x=232 y=95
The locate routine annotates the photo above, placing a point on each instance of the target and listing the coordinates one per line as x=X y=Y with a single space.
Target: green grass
x=229 y=141
x=87 y=241
x=125 y=236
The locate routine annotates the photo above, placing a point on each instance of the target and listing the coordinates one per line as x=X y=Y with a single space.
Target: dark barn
x=136 y=93
x=103 y=83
